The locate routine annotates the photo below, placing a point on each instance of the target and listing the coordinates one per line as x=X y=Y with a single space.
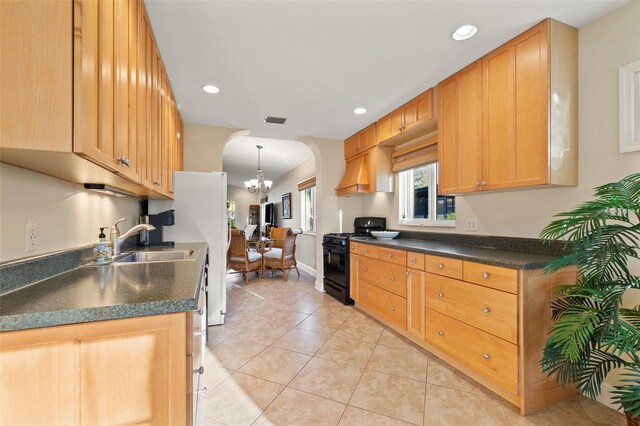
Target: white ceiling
x=240 y=158
x=313 y=62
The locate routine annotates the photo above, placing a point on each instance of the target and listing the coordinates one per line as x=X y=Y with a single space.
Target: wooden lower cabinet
x=489 y=322
x=416 y=292
x=387 y=305
x=353 y=276
x=127 y=371
x=488 y=355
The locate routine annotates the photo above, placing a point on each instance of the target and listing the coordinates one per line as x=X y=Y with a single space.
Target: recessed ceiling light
x=465 y=32
x=360 y=110
x=209 y=88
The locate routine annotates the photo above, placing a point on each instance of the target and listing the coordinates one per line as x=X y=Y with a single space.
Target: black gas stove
x=335 y=247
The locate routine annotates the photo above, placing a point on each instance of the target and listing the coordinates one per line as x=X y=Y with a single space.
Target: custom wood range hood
x=356 y=177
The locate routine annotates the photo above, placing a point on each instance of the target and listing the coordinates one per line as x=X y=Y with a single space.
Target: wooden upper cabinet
x=528 y=137
x=460 y=131
x=83 y=78
x=418 y=111
x=360 y=142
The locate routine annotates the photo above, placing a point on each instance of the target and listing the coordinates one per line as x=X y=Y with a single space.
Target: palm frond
x=627 y=393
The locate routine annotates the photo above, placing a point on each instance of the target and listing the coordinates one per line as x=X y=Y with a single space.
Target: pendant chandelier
x=258 y=184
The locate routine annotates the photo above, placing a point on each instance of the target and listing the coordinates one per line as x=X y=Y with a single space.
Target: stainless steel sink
x=158 y=256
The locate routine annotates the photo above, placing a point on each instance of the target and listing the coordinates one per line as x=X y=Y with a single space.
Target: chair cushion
x=252 y=256
x=274 y=253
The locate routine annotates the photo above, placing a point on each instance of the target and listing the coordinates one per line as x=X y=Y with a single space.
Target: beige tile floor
x=289 y=355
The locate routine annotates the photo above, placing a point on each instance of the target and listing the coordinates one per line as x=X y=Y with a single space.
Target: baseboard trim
x=319 y=285
x=306 y=268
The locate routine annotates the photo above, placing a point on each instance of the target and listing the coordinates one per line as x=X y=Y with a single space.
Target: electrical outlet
x=31 y=236
x=472 y=224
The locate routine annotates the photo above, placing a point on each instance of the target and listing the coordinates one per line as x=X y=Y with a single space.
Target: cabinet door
x=416 y=303
x=515 y=107
x=367 y=138
x=390 y=125
x=353 y=277
x=96 y=84
x=409 y=114
x=424 y=106
x=38 y=381
x=351 y=146
x=460 y=131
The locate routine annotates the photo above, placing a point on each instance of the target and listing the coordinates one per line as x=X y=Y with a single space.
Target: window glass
x=420 y=203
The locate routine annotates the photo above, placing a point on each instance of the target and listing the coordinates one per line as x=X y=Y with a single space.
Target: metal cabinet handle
x=200 y=333
x=199 y=370
x=486 y=356
x=203 y=390
x=392 y=278
x=365 y=294
x=389 y=255
x=393 y=308
x=486 y=275
x=440 y=294
x=483 y=183
x=440 y=265
x=441 y=333
x=200 y=311
x=157 y=182
x=407 y=273
x=366 y=269
x=486 y=309
x=124 y=160
x=413 y=260
x=477 y=183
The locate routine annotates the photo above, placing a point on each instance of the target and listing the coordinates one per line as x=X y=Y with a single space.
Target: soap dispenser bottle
x=102 y=248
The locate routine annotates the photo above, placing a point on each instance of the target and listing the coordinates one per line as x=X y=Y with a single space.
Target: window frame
x=406 y=200
x=303 y=210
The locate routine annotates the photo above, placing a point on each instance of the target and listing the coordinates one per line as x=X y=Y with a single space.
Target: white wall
x=243 y=199
x=66 y=214
x=305 y=243
x=203 y=147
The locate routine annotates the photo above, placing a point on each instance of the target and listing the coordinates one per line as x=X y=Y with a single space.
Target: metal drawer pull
x=392 y=278
x=200 y=311
x=413 y=260
x=441 y=333
x=440 y=265
x=393 y=308
x=365 y=294
x=441 y=294
x=486 y=309
x=199 y=370
x=389 y=255
x=366 y=250
x=485 y=275
x=486 y=356
x=200 y=333
x=203 y=390
x=366 y=269
x=477 y=183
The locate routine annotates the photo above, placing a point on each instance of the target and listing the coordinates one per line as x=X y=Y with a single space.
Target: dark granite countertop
x=487 y=255
x=96 y=293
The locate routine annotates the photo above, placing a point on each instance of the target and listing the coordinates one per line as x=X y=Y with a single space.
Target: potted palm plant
x=593 y=334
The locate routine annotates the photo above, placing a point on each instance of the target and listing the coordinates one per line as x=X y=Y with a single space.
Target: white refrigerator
x=200 y=204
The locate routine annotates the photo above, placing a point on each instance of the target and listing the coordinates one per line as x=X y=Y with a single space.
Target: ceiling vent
x=274 y=120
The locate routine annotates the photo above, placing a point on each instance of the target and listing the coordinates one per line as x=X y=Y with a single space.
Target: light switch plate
x=472 y=224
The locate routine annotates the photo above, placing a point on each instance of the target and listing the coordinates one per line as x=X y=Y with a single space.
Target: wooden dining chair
x=240 y=258
x=281 y=255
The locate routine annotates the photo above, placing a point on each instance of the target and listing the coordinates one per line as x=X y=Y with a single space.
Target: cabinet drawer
x=415 y=261
x=444 y=266
x=490 y=310
x=386 y=275
x=491 y=276
x=398 y=257
x=368 y=250
x=490 y=356
x=389 y=306
x=353 y=247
